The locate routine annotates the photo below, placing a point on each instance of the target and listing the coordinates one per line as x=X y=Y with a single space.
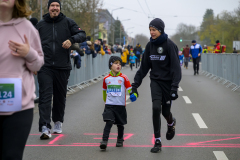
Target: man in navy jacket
x=195 y=51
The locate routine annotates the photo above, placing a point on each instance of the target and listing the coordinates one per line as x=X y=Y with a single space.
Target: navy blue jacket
x=195 y=50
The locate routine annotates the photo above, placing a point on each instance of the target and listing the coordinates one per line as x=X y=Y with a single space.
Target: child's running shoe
x=103 y=145
x=157 y=146
x=119 y=142
x=171 y=130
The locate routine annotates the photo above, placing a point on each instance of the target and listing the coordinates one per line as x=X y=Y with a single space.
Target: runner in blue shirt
x=132 y=59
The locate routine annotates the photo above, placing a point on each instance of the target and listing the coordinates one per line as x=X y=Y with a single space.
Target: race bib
x=10 y=94
x=114 y=90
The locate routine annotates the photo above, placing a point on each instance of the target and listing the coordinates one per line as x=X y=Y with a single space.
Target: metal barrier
x=222 y=67
x=91 y=71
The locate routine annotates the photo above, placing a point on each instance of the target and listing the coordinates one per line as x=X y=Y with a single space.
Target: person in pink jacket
x=20 y=55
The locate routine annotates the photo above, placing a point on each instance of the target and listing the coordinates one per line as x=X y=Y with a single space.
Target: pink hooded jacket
x=17 y=67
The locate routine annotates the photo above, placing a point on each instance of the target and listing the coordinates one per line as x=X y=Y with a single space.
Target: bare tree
x=83 y=12
x=141 y=39
x=185 y=32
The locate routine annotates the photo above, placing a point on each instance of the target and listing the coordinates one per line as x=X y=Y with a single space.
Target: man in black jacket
x=57 y=33
x=161 y=56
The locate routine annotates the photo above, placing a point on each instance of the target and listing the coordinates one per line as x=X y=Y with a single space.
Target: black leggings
x=131 y=65
x=107 y=130
x=14 y=131
x=156 y=110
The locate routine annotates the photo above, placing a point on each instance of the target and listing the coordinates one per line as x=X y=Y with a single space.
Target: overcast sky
x=172 y=12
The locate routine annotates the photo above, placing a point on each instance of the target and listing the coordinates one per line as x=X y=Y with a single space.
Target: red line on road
x=134 y=146
x=217 y=140
x=101 y=138
x=100 y=134
x=129 y=135
x=208 y=135
x=56 y=139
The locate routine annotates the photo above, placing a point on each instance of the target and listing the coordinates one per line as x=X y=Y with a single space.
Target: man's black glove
x=134 y=90
x=173 y=95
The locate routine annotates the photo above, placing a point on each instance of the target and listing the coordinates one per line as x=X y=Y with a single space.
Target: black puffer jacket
x=53 y=32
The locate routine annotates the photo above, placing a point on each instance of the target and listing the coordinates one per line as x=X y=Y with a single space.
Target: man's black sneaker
x=157 y=146
x=171 y=130
x=119 y=142
x=194 y=73
x=103 y=144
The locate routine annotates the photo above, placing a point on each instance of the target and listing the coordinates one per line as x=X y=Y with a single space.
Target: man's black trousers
x=196 y=64
x=52 y=84
x=161 y=102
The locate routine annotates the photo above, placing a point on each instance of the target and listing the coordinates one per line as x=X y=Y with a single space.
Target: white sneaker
x=57 y=127
x=46 y=133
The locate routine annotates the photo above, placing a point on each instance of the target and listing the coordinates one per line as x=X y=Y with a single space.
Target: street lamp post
x=129 y=28
x=130 y=36
x=112 y=24
x=41 y=11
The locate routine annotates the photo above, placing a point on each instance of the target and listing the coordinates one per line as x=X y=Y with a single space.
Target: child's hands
x=133 y=97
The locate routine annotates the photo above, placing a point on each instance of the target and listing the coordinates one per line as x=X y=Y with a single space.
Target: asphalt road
x=207 y=115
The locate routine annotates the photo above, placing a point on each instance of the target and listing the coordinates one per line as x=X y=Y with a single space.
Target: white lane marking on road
x=220 y=155
x=187 y=100
x=199 y=120
x=180 y=89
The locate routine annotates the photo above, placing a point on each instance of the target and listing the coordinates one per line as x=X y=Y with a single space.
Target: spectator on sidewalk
x=111 y=48
x=186 y=52
x=218 y=47
x=205 y=49
x=91 y=48
x=234 y=50
x=58 y=33
x=119 y=49
x=97 y=46
x=195 y=51
x=108 y=49
x=102 y=51
x=20 y=55
x=84 y=45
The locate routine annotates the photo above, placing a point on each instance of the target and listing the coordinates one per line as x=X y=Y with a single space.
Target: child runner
x=132 y=60
x=114 y=95
x=161 y=56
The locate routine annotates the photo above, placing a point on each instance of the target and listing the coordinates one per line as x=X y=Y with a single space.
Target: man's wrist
x=71 y=40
